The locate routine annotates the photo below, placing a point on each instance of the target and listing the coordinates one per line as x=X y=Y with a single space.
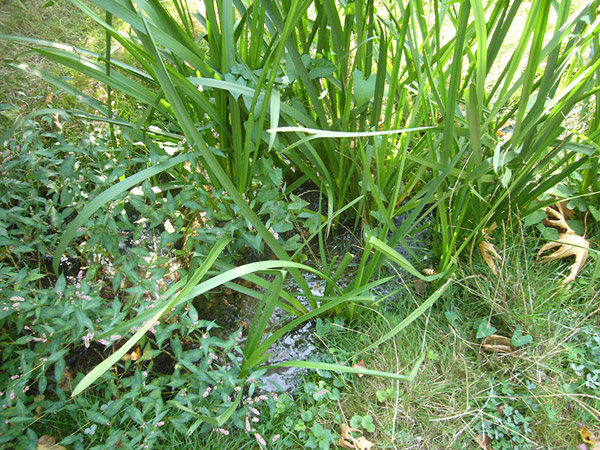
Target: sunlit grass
x=24 y=92
x=443 y=407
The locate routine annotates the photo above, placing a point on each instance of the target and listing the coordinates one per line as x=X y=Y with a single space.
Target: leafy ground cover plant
x=47 y=331
x=503 y=423
x=57 y=329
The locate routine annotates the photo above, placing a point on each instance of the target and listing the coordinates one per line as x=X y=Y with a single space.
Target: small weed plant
x=504 y=419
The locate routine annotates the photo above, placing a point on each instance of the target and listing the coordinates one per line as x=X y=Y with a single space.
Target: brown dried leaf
x=420 y=286
x=66 y=383
x=569 y=244
x=497 y=343
x=484 y=441
x=346 y=439
x=360 y=365
x=557 y=214
x=362 y=444
x=38 y=409
x=491 y=228
x=567 y=212
x=490 y=255
x=46 y=442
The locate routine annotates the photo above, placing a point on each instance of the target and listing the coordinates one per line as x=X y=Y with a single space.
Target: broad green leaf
x=364 y=88
x=484 y=329
x=519 y=340
x=534 y=218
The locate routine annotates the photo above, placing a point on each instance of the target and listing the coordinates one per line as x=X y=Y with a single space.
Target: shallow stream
x=232 y=311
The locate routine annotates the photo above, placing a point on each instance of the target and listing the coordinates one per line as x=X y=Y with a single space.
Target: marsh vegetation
x=187 y=187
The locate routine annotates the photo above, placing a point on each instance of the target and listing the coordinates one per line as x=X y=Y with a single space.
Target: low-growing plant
x=308 y=417
x=504 y=419
x=584 y=360
x=119 y=287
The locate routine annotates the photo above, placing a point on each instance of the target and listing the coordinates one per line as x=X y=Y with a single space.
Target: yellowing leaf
x=589 y=438
x=490 y=255
x=346 y=439
x=484 y=441
x=497 y=343
x=38 y=409
x=586 y=435
x=430 y=271
x=136 y=354
x=569 y=244
x=148 y=354
x=46 y=442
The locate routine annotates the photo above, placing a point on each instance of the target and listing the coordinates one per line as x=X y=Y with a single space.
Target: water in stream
x=231 y=310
